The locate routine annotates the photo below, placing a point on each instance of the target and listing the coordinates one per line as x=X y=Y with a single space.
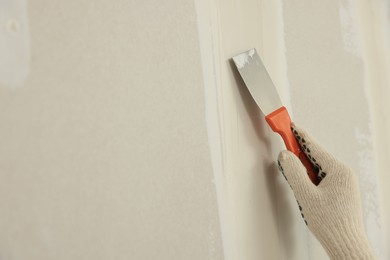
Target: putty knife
x=265 y=94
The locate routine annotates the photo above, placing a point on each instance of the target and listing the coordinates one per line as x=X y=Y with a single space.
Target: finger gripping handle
x=280 y=122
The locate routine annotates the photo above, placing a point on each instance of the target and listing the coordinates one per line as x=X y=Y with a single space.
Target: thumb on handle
x=294 y=172
x=280 y=122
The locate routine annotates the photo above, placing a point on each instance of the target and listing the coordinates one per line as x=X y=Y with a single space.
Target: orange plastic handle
x=280 y=122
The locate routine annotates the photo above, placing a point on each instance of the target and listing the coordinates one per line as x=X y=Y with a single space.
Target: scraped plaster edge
x=212 y=114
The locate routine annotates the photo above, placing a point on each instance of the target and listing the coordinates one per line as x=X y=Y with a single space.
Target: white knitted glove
x=331 y=210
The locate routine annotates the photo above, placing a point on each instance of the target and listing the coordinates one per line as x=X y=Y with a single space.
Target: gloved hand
x=331 y=210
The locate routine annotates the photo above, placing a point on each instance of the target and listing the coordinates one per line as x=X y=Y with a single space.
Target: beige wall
x=103 y=148
x=133 y=137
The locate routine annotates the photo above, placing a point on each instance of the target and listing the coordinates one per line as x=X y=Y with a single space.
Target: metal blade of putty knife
x=257 y=80
x=265 y=94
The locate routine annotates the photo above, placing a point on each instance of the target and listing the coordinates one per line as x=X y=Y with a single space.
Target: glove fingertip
x=286 y=162
x=293 y=171
x=284 y=155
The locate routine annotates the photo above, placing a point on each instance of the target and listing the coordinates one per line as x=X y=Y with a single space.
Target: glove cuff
x=346 y=241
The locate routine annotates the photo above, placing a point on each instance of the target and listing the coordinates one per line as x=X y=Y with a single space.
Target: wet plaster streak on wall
x=14 y=43
x=258 y=212
x=212 y=113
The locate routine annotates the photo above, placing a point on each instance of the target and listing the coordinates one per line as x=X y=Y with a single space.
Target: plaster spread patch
x=349 y=30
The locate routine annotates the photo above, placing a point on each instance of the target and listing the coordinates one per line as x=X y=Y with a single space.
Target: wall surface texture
x=126 y=132
x=103 y=146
